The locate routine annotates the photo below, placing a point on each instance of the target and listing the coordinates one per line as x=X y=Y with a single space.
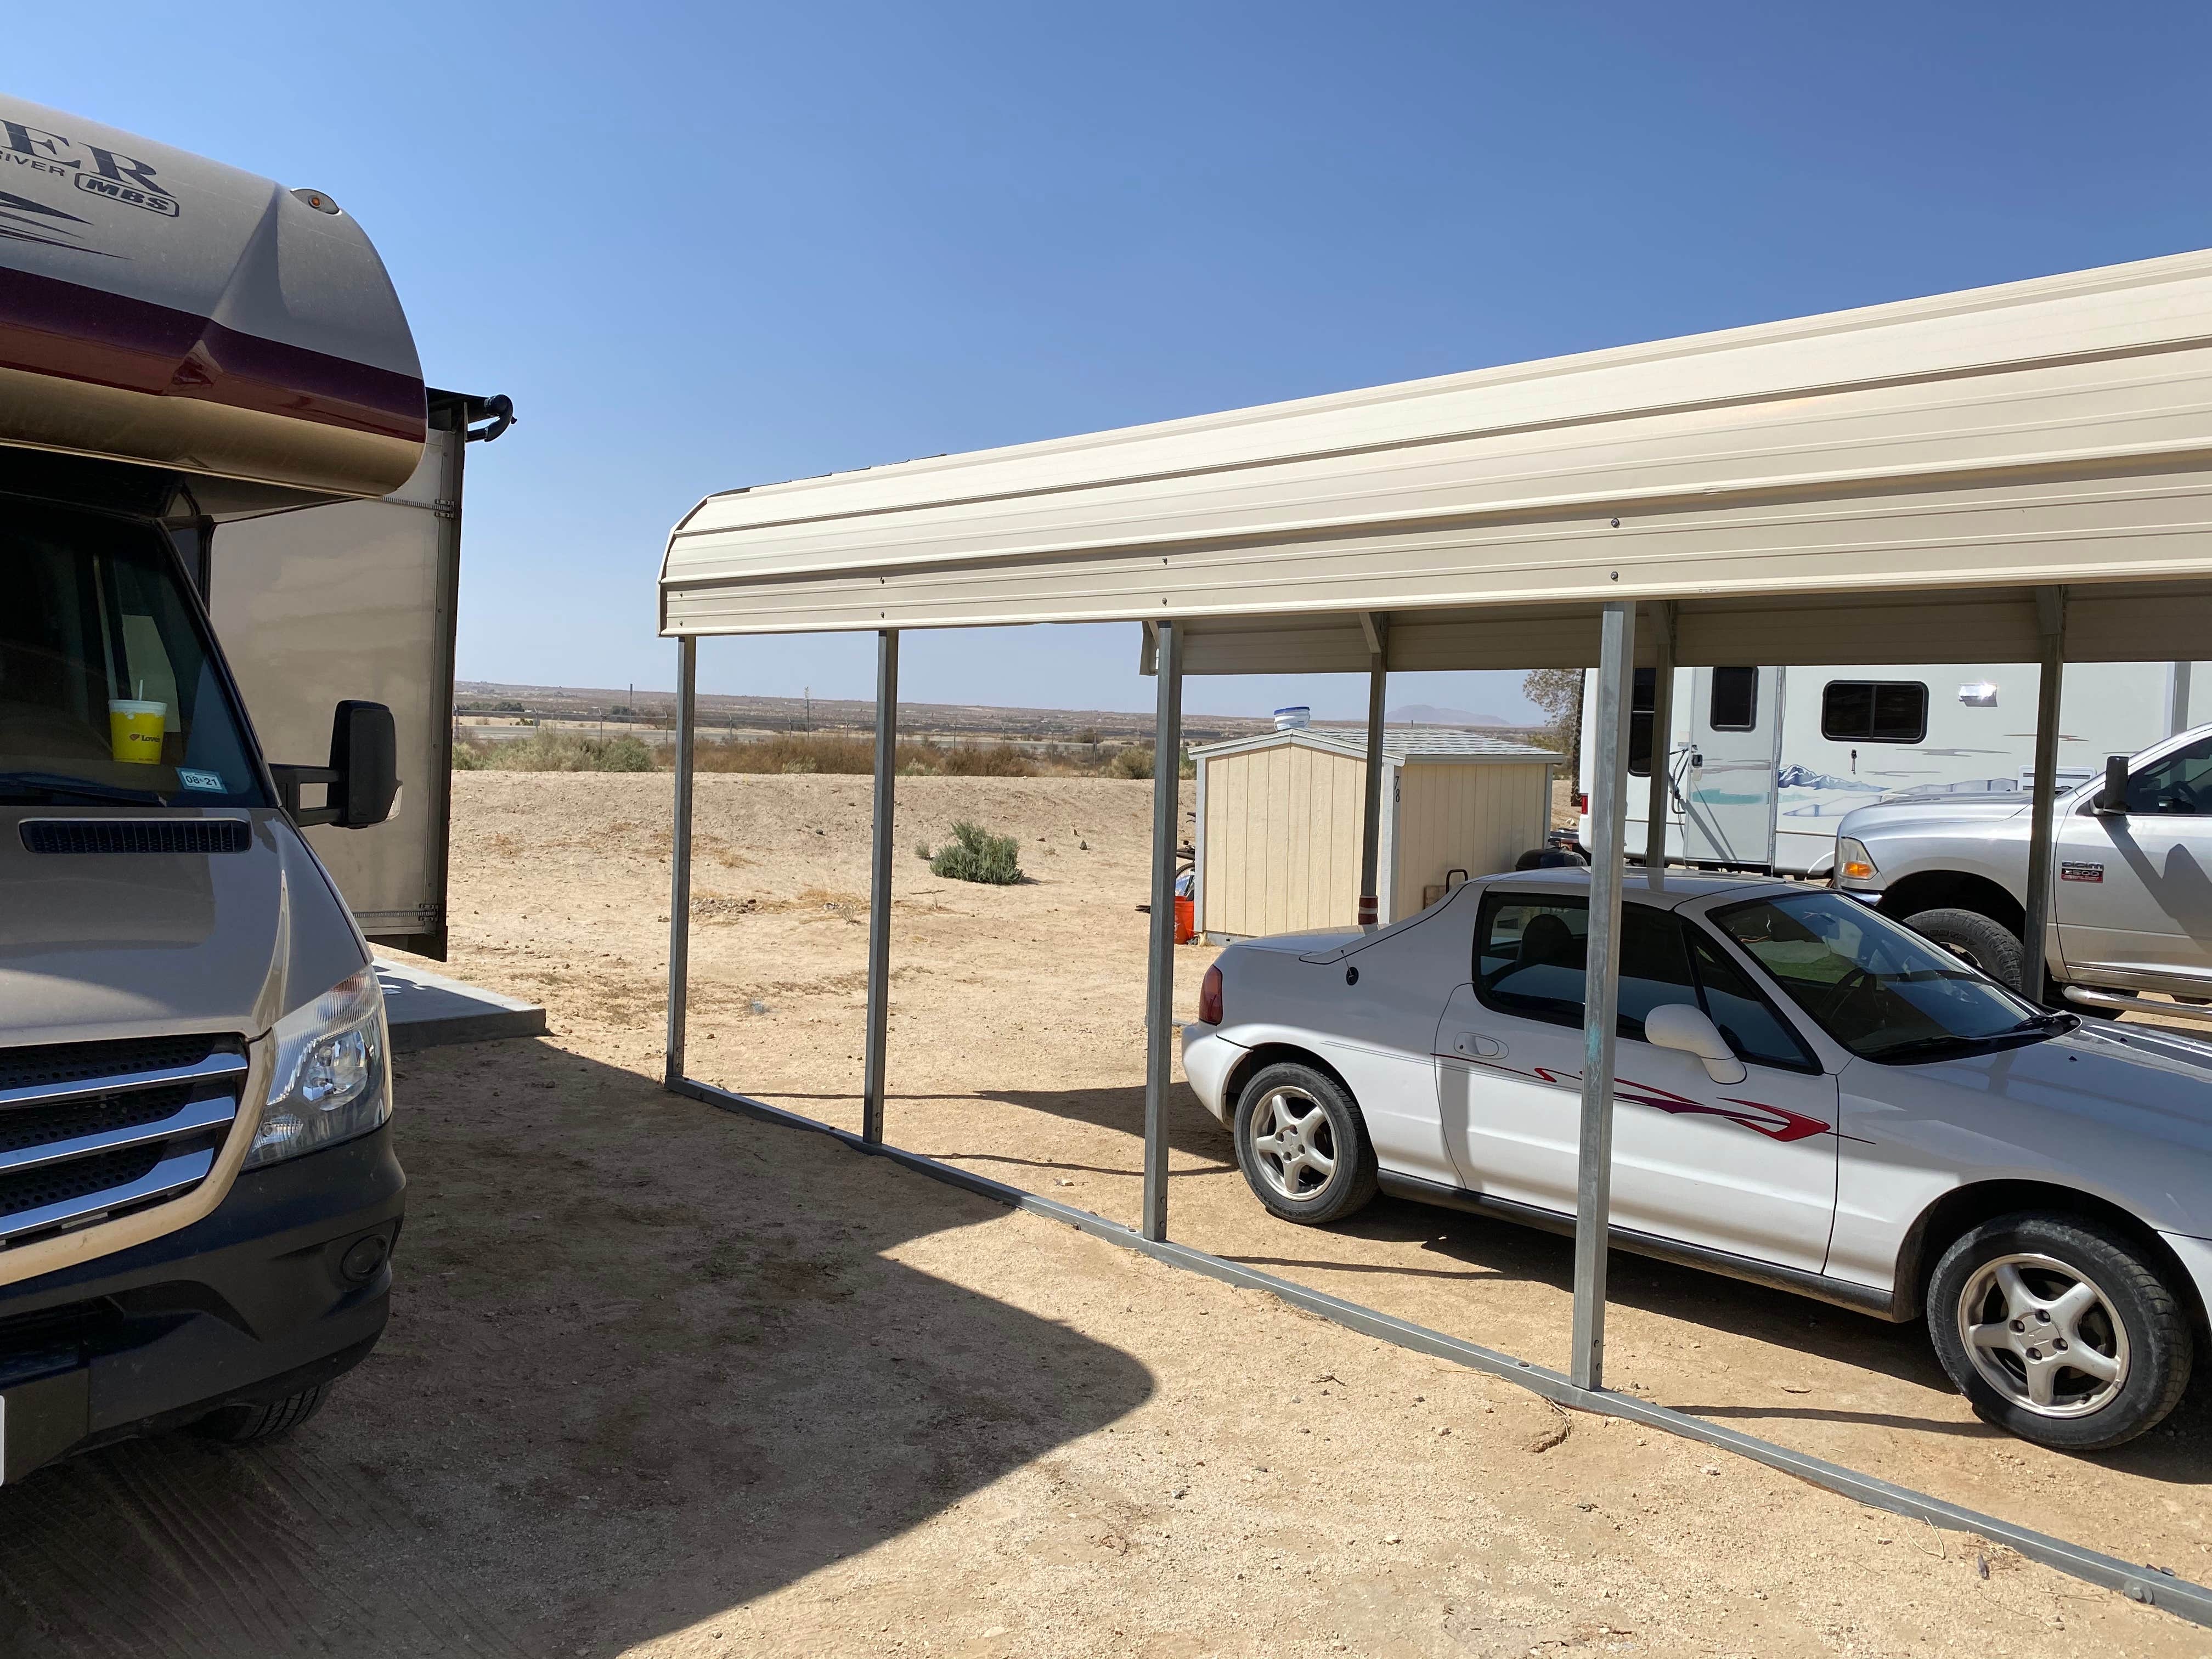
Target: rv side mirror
x=363 y=778
x=365 y=754
x=2112 y=799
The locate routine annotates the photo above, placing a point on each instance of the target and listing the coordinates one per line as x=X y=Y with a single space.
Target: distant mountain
x=1427 y=714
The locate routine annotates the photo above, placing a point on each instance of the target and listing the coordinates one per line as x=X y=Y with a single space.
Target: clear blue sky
x=711 y=246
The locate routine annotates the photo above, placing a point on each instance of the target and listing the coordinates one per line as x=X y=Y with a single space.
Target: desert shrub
x=467 y=757
x=1133 y=761
x=563 y=751
x=974 y=854
x=1000 y=760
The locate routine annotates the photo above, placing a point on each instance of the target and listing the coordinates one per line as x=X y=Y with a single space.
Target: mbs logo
x=96 y=170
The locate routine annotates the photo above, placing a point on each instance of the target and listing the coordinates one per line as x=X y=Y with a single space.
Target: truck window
x=2179 y=786
x=1874 y=711
x=1734 y=701
x=108 y=691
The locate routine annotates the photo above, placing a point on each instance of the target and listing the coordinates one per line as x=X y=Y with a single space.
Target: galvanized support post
x=1662 y=743
x=1159 y=990
x=1370 y=832
x=679 y=859
x=2177 y=698
x=1601 y=988
x=880 y=887
x=2051 y=616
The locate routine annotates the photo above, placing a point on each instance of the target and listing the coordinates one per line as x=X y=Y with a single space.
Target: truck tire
x=1989 y=947
x=1302 y=1145
x=2013 y=1303
x=241 y=1425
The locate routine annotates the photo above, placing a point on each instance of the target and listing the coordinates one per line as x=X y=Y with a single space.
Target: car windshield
x=1885 y=993
x=108 y=692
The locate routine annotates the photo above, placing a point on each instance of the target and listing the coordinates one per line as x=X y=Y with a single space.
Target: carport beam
x=1371 y=829
x=679 y=858
x=1659 y=753
x=880 y=887
x=1602 y=988
x=2051 y=608
x=1159 y=991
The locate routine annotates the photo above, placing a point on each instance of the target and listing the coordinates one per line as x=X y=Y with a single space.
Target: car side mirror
x=362 y=779
x=2112 y=799
x=1678 y=1025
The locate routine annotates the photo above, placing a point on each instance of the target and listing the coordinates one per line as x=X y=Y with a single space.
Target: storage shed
x=1279 y=822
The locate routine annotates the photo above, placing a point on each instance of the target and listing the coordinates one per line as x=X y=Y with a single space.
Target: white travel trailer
x=1762 y=763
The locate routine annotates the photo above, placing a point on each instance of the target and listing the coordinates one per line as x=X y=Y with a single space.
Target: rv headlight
x=332 y=1078
x=1853 y=861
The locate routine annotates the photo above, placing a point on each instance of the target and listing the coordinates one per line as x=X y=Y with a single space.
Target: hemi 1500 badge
x=2073 y=872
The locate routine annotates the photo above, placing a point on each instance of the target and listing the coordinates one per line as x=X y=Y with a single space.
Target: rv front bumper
x=287 y=1284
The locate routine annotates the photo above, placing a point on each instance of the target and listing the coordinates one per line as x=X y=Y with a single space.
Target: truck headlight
x=1853 y=861
x=332 y=1078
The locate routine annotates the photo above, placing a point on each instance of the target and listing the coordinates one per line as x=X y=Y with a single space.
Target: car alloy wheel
x=2044 y=1335
x=1293 y=1143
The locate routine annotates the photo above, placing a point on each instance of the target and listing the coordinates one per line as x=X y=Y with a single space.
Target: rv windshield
x=109 y=694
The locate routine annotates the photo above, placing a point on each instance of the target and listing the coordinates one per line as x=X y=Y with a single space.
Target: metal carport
x=2021 y=473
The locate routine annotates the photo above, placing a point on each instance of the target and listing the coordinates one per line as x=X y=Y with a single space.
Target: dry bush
x=974 y=854
x=853 y=754
x=561 y=751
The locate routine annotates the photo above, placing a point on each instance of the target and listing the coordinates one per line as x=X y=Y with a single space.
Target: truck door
x=1735 y=749
x=2134 y=894
x=356 y=600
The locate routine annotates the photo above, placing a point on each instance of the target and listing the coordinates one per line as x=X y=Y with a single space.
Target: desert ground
x=662 y=1380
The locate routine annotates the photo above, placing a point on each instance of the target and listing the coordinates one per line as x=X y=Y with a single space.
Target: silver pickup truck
x=2132 y=898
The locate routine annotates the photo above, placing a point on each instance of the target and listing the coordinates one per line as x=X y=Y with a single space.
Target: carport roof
x=1886 y=484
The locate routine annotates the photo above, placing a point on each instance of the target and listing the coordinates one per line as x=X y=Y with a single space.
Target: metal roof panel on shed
x=1400 y=743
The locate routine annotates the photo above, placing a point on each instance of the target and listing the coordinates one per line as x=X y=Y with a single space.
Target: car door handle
x=1472 y=1045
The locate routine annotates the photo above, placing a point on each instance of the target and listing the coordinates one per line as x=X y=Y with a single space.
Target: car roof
x=1677 y=886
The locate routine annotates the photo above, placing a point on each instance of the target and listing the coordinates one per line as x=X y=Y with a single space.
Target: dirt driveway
x=663 y=1380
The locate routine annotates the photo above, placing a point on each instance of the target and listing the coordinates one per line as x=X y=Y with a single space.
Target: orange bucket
x=1186 y=921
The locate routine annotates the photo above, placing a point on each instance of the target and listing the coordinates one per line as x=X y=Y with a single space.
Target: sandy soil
x=666 y=1381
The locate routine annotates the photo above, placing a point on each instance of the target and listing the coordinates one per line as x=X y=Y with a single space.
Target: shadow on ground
x=639 y=1373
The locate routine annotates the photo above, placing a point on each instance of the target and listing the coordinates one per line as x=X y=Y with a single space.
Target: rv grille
x=88 y=1130
x=138 y=835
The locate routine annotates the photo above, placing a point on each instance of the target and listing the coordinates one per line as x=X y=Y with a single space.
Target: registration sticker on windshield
x=208 y=780
x=2073 y=872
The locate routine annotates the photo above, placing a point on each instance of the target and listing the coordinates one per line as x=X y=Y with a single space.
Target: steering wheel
x=2181 y=797
x=1845 y=988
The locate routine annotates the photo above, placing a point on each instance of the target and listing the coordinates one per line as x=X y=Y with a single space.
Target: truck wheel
x=1989 y=947
x=2058 y=1330
x=241 y=1425
x=1302 y=1145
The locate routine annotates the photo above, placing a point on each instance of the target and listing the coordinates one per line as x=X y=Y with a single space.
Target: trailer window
x=1643 y=702
x=1734 y=705
x=1875 y=711
x=108 y=690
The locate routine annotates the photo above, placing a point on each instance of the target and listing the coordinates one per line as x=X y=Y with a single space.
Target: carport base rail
x=2149 y=1585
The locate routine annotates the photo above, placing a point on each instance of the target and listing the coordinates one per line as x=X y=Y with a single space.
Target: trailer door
x=1735 y=752
x=356 y=600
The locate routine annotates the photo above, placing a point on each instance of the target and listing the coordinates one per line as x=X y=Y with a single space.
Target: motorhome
x=198 y=1196
x=1763 y=763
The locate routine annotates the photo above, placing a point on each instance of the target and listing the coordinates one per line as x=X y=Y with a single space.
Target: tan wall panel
x=1478 y=818
x=1282 y=841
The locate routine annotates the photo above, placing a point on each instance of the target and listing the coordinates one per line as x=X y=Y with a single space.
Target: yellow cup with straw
x=135 y=726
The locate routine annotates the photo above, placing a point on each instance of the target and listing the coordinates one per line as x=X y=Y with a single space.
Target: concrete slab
x=428 y=1010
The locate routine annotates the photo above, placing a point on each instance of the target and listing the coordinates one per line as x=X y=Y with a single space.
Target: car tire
x=1302 y=1145
x=2075 y=1285
x=242 y=1425
x=1989 y=947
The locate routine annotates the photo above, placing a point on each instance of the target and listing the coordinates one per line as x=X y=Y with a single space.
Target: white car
x=1809 y=1096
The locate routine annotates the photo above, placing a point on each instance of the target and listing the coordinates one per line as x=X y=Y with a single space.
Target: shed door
x=1735 y=752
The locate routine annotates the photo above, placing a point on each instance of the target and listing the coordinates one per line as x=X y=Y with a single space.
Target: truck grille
x=88 y=1131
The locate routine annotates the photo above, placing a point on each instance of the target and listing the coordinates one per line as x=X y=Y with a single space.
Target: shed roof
x=1959 y=450
x=1399 y=743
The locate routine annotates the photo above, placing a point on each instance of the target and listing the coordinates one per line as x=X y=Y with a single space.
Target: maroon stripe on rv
x=49 y=326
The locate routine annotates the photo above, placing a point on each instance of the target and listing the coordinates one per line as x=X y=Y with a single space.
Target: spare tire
x=1550 y=858
x=1989 y=947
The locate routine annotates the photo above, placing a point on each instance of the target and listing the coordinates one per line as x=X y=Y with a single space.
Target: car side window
x=2179 y=786
x=1753 y=1026
x=1532 y=956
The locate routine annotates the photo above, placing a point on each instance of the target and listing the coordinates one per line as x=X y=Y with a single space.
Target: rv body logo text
x=115 y=191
